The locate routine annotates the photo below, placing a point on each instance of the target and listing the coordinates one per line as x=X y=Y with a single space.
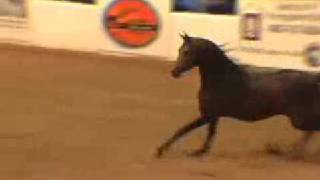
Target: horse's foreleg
x=181 y=132
x=209 y=139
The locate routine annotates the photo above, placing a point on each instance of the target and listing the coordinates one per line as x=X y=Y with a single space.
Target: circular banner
x=132 y=23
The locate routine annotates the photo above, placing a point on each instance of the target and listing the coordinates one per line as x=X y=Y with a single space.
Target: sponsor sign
x=131 y=23
x=283 y=27
x=12 y=8
x=206 y=6
x=12 y=13
x=79 y=1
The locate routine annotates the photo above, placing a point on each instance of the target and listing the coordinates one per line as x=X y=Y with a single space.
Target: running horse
x=244 y=92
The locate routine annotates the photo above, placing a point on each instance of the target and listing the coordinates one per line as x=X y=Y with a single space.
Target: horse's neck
x=215 y=73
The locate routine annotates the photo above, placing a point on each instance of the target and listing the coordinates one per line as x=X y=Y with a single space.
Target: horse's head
x=192 y=52
x=187 y=58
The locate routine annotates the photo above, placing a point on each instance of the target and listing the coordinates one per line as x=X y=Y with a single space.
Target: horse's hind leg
x=208 y=142
x=299 y=147
x=181 y=132
x=304 y=122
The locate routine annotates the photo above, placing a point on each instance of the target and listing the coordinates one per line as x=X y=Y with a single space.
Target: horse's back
x=286 y=77
x=282 y=91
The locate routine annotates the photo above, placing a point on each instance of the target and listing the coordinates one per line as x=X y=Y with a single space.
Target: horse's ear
x=181 y=35
x=185 y=37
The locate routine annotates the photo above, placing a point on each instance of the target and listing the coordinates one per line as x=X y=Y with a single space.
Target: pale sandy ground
x=68 y=116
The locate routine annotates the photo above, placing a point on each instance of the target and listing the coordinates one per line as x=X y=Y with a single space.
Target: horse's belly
x=256 y=108
x=306 y=124
x=254 y=116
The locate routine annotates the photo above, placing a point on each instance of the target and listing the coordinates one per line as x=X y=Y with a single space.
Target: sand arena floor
x=71 y=116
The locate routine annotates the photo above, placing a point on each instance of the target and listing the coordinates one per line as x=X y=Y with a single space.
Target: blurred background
x=251 y=28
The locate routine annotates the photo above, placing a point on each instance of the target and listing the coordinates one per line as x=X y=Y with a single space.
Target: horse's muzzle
x=180 y=71
x=176 y=73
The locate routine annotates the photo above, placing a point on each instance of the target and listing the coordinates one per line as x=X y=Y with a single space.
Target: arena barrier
x=280 y=33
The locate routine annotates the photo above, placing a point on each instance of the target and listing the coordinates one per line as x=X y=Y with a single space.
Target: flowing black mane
x=212 y=48
x=215 y=62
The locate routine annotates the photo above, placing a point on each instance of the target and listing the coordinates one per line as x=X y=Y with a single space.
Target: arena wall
x=76 y=26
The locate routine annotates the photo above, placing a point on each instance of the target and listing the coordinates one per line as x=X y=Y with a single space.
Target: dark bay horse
x=245 y=92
